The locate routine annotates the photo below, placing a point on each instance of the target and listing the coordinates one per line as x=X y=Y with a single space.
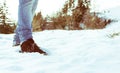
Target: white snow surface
x=80 y=51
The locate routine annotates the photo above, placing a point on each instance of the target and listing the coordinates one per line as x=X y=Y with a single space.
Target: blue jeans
x=25 y=16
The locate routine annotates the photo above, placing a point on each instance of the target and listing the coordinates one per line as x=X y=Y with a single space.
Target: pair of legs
x=26 y=12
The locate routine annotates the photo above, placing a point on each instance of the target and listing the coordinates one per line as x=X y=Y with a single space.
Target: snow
x=79 y=51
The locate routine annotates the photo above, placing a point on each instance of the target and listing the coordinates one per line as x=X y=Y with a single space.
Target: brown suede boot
x=30 y=46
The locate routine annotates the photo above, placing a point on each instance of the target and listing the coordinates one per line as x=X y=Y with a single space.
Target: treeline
x=73 y=16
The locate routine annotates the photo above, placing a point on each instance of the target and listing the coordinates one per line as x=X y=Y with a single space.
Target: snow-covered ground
x=84 y=51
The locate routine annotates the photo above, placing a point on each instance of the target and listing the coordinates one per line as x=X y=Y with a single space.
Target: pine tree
x=74 y=13
x=38 y=22
x=78 y=13
x=3 y=12
x=4 y=27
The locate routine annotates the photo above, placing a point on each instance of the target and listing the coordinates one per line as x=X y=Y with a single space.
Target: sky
x=104 y=4
x=49 y=7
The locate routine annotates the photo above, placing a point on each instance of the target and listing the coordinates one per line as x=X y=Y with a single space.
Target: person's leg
x=35 y=3
x=25 y=20
x=24 y=27
x=26 y=12
x=16 y=39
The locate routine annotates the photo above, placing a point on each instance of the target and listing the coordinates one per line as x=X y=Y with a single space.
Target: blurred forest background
x=74 y=15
